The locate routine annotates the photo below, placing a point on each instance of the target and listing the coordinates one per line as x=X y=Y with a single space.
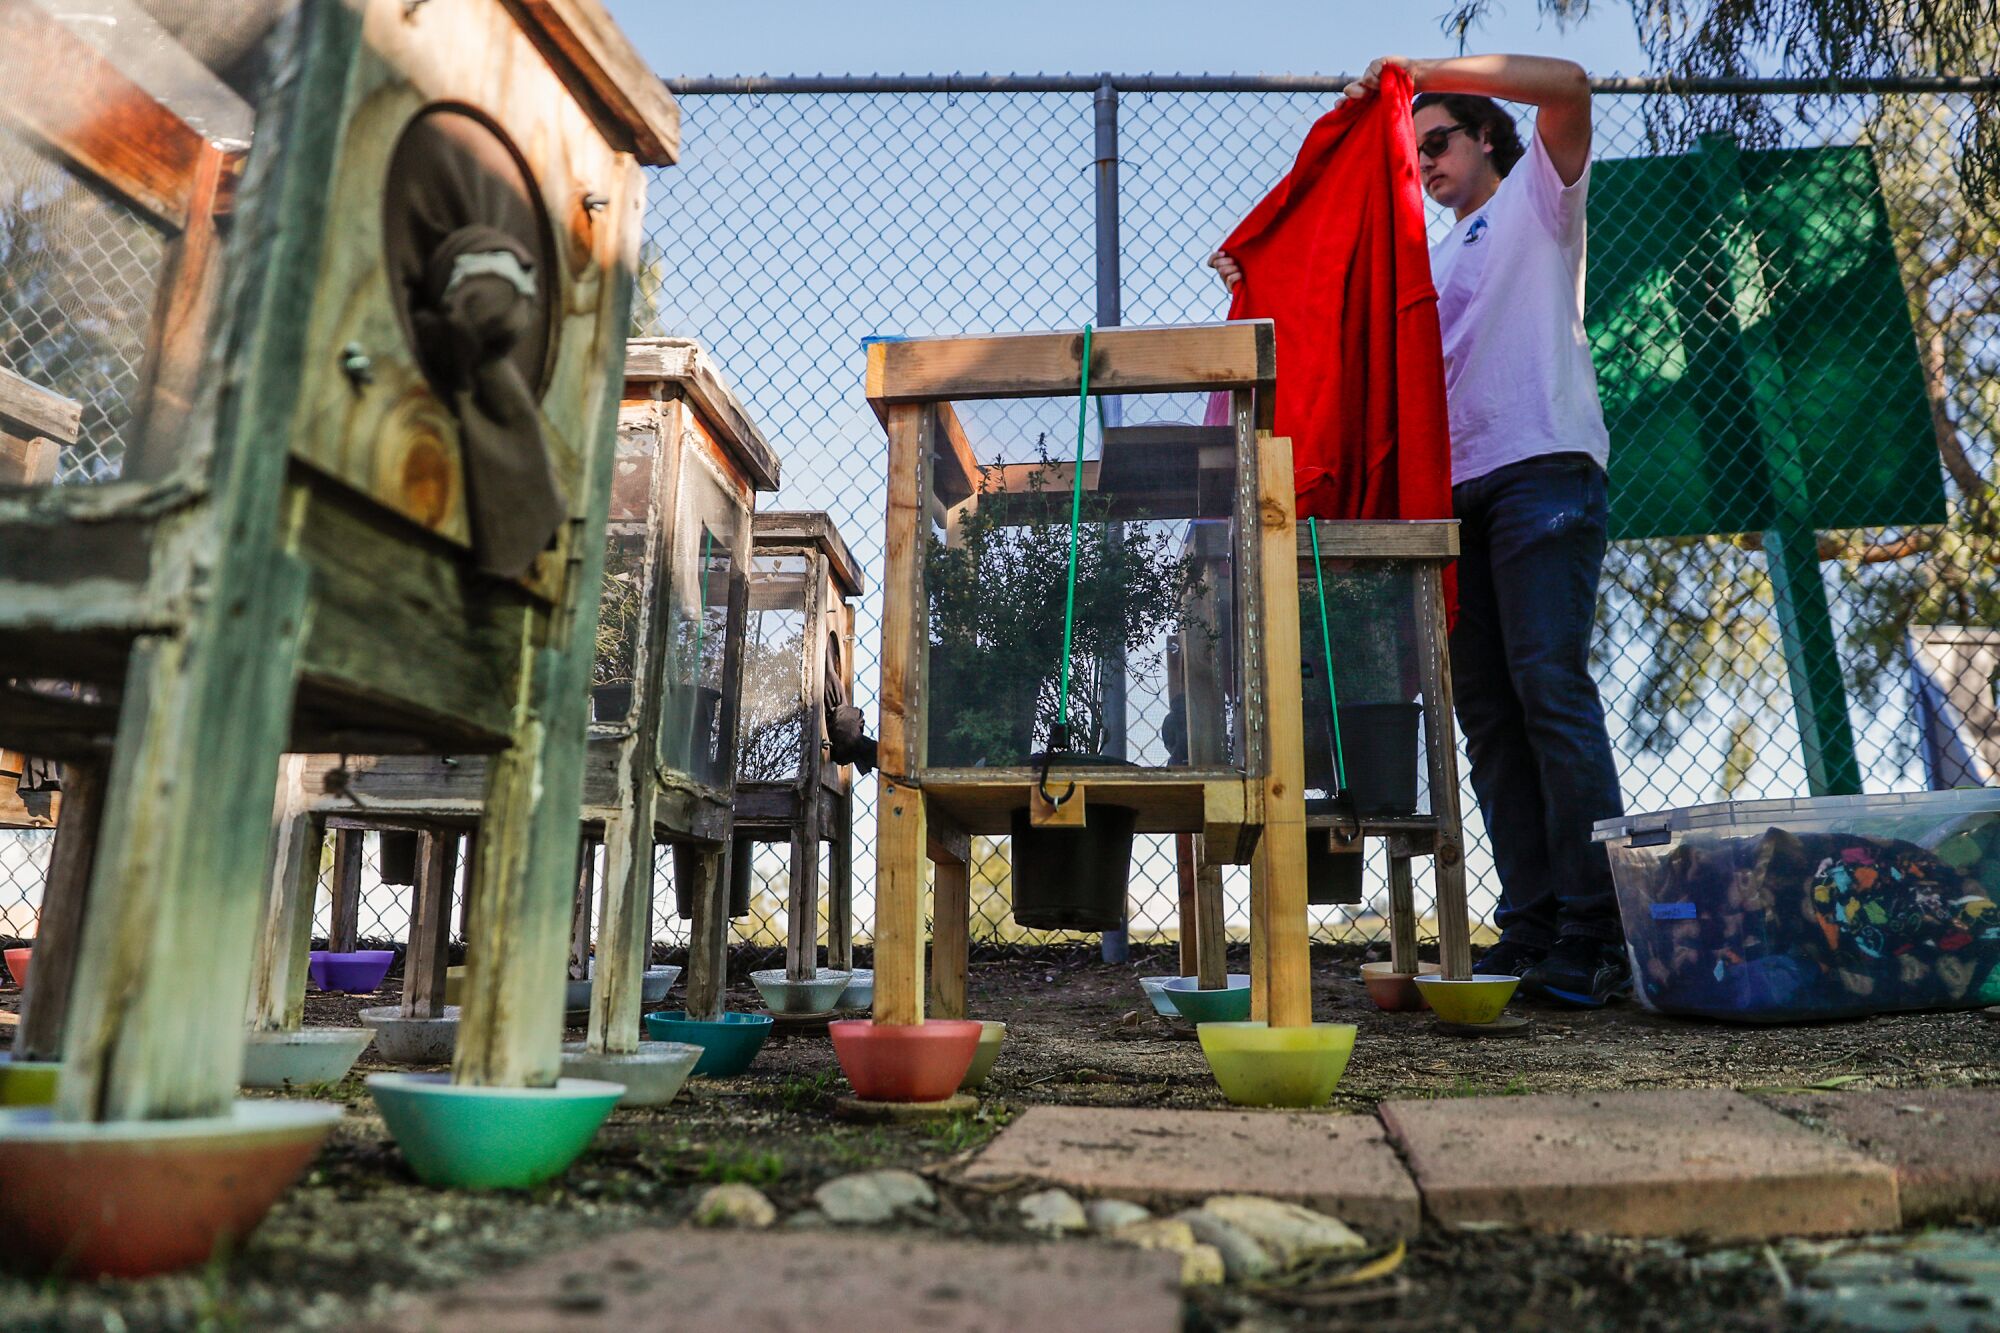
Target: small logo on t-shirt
x=1474 y=232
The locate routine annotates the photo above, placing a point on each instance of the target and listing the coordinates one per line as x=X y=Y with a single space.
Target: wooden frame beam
x=1177 y=359
x=633 y=107
x=1407 y=539
x=682 y=362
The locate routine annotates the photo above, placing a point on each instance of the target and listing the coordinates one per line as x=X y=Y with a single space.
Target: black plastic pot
x=705 y=751
x=1381 y=743
x=1331 y=877
x=686 y=867
x=1074 y=878
x=611 y=702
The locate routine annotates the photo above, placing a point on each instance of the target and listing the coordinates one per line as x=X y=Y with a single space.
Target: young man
x=1528 y=452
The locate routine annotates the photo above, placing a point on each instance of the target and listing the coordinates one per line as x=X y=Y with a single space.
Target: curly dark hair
x=1483 y=116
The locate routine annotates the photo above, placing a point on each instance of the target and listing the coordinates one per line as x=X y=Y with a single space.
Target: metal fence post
x=1113 y=946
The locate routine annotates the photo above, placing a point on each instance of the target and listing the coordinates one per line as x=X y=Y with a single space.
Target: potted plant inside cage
x=1004 y=692
x=619 y=609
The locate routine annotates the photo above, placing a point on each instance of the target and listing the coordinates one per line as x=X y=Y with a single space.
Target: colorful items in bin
x=1813 y=909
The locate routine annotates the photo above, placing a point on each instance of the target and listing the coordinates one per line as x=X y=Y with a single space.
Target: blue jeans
x=1532 y=540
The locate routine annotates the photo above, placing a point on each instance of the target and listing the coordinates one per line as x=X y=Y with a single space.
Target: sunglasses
x=1434 y=144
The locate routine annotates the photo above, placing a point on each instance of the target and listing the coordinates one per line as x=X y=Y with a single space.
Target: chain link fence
x=801 y=222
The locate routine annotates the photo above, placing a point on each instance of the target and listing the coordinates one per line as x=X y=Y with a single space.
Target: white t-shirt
x=1517 y=374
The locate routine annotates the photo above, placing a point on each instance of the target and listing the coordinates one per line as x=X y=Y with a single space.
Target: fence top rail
x=692 y=85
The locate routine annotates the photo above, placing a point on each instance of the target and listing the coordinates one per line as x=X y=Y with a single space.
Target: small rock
x=809 y=1219
x=1201 y=1265
x=872 y=1196
x=1053 y=1213
x=735 y=1205
x=1285 y=1231
x=1242 y=1258
x=1110 y=1214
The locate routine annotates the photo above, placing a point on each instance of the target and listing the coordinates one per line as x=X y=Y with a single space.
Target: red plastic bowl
x=922 y=1062
x=17 y=965
x=126 y=1199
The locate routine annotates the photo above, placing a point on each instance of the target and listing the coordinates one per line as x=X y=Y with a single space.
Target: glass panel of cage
x=774 y=711
x=1150 y=628
x=1361 y=688
x=114 y=191
x=620 y=611
x=699 y=627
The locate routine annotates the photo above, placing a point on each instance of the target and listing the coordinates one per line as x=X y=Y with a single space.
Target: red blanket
x=1337 y=257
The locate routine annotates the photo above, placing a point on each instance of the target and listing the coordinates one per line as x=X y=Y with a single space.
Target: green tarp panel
x=1751 y=331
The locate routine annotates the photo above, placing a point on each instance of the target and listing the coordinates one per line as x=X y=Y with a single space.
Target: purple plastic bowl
x=354 y=973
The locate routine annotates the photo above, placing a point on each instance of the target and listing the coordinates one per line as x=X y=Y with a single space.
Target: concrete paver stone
x=1707 y=1162
x=1341 y=1165
x=1944 y=1143
x=817 y=1282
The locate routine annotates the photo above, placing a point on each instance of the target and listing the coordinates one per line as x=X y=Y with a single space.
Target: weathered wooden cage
x=368 y=336
x=1185 y=547
x=1381 y=755
x=676 y=595
x=789 y=787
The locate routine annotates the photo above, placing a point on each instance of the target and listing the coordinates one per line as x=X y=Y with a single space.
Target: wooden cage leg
x=278 y=985
x=1212 y=935
x=840 y=886
x=708 y=934
x=900 y=818
x=429 y=951
x=1282 y=965
x=580 y=909
x=1402 y=916
x=1441 y=739
x=184 y=842
x=802 y=890
x=951 y=936
x=899 y=905
x=1187 y=877
x=625 y=930
x=45 y=1004
x=344 y=927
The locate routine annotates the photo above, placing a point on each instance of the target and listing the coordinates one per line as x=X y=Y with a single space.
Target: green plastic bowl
x=1231 y=1004
x=472 y=1138
x=1259 y=1065
x=1469 y=1000
x=991 y=1034
x=728 y=1045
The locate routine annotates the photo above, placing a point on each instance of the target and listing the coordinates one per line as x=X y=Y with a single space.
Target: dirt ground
x=358 y=1234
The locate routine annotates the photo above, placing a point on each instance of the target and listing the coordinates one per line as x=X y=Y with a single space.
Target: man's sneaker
x=1509 y=958
x=1580 y=971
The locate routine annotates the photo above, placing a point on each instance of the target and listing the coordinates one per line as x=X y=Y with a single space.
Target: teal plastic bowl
x=472 y=1138
x=1231 y=1004
x=728 y=1045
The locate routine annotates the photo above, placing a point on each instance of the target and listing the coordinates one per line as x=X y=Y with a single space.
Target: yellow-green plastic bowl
x=1473 y=1000
x=991 y=1034
x=28 y=1082
x=1259 y=1065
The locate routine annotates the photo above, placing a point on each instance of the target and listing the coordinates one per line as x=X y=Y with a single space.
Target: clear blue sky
x=1066 y=36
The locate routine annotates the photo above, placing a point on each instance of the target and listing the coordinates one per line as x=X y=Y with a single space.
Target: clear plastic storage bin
x=1775 y=911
